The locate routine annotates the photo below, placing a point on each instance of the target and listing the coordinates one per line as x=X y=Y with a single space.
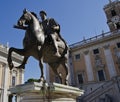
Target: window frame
x=102 y=76
x=95 y=53
x=82 y=78
x=118 y=45
x=13 y=81
x=77 y=56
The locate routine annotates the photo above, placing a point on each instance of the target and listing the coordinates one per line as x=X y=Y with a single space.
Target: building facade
x=9 y=78
x=95 y=62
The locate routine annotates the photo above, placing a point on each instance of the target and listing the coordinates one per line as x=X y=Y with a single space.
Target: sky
x=78 y=19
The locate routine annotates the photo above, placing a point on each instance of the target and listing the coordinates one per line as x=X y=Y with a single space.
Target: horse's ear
x=25 y=10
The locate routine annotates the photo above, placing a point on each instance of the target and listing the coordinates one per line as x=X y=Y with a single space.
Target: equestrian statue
x=42 y=41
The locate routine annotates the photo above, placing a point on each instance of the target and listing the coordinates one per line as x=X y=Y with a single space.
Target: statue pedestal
x=43 y=92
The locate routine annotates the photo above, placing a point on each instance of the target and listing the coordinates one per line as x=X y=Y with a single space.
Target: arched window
x=13 y=80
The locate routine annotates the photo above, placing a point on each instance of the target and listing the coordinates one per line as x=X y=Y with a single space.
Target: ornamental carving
x=117 y=54
x=106 y=46
x=86 y=52
x=98 y=62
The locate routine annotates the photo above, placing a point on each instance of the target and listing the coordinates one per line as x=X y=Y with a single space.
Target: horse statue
x=34 y=44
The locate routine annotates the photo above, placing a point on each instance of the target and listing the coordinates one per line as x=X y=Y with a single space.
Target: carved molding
x=117 y=55
x=98 y=62
x=21 y=70
x=86 y=52
x=106 y=46
x=2 y=64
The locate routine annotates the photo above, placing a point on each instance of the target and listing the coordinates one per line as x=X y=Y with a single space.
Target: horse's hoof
x=20 y=67
x=11 y=66
x=42 y=80
x=66 y=82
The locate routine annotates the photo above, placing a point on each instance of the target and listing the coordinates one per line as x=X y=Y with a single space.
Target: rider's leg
x=66 y=46
x=55 y=45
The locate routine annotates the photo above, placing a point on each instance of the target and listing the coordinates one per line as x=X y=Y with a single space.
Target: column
x=21 y=76
x=109 y=61
x=88 y=66
x=5 y=83
x=18 y=98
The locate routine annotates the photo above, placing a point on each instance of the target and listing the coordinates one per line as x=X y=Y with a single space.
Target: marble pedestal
x=43 y=92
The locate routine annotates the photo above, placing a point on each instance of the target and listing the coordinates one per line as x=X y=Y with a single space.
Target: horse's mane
x=34 y=14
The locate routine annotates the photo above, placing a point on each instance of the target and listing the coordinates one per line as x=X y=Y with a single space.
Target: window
x=101 y=75
x=95 y=51
x=77 y=56
x=118 y=45
x=80 y=78
x=13 y=80
x=113 y=13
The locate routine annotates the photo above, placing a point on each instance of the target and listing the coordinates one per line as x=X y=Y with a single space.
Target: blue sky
x=78 y=19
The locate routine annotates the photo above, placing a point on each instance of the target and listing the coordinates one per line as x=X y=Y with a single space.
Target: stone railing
x=109 y=86
x=95 y=38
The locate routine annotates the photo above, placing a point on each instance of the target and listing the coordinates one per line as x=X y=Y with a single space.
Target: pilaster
x=88 y=66
x=109 y=61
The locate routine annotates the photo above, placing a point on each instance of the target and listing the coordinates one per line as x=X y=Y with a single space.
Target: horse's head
x=26 y=18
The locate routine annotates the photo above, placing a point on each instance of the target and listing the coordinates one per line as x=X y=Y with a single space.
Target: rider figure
x=52 y=31
x=50 y=27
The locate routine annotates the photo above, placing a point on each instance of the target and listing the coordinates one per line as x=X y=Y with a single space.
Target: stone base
x=43 y=92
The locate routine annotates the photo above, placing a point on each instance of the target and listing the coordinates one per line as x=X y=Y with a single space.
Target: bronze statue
x=36 y=44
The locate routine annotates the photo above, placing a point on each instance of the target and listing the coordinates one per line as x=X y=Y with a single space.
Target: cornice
x=4 y=53
x=109 y=37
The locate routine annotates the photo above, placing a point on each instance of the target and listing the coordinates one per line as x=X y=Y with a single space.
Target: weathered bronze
x=36 y=44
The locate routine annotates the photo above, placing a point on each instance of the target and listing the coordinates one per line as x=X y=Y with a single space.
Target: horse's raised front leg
x=23 y=63
x=18 y=51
